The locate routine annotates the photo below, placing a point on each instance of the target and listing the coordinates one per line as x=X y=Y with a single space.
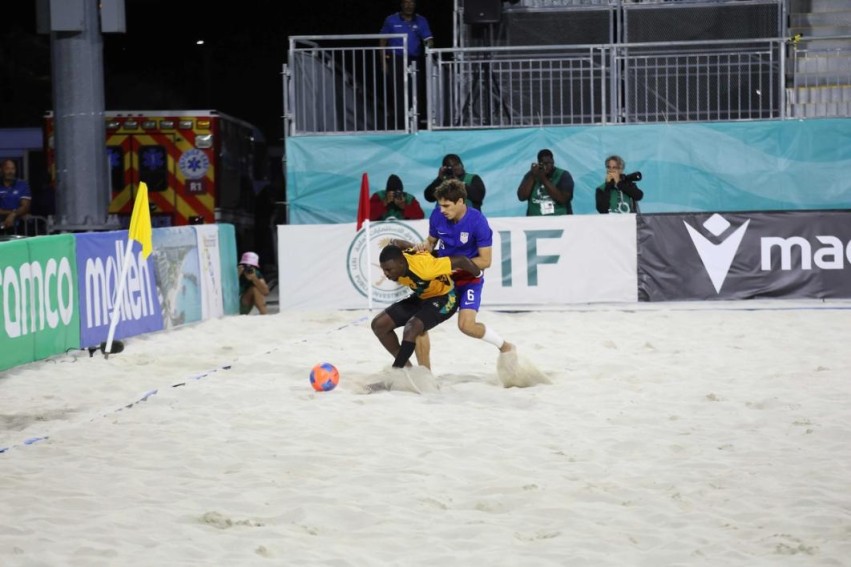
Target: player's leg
x=469 y=299
x=385 y=323
x=430 y=314
x=470 y=296
x=422 y=349
x=414 y=327
x=468 y=324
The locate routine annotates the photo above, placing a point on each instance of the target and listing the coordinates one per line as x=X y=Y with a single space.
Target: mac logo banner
x=744 y=255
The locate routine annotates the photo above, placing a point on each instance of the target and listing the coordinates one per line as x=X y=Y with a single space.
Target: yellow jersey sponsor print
x=428 y=276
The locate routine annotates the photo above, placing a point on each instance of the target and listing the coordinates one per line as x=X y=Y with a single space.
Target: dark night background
x=156 y=64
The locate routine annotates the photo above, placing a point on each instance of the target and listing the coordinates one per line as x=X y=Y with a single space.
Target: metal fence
x=646 y=82
x=348 y=83
x=30 y=225
x=341 y=91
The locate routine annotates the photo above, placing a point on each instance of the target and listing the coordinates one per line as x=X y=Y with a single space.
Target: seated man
x=253 y=289
x=15 y=198
x=394 y=203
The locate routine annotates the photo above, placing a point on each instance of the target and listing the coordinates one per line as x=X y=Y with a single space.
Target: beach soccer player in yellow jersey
x=432 y=302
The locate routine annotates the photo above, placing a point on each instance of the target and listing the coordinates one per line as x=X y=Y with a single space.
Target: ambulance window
x=153 y=167
x=115 y=156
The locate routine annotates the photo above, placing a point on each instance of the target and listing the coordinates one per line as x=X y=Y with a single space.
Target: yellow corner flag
x=140 y=221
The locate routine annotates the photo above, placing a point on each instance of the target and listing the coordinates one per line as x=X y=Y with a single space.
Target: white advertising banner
x=537 y=261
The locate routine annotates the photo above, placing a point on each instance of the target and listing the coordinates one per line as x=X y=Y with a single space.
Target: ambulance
x=201 y=166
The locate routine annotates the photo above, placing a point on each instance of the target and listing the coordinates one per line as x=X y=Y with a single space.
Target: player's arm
x=464 y=263
x=426 y=245
x=403 y=244
x=483 y=260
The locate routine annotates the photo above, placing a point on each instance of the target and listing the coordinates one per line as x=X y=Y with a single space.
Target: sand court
x=680 y=434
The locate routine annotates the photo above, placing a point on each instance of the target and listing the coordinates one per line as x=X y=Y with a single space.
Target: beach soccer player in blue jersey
x=458 y=230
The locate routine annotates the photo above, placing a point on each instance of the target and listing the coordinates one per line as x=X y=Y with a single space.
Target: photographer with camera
x=253 y=288
x=547 y=188
x=394 y=203
x=618 y=193
x=453 y=168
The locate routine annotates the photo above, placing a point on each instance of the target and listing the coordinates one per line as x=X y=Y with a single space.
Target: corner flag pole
x=141 y=232
x=363 y=220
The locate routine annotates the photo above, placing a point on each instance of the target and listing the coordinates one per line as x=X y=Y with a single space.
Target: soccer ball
x=324 y=377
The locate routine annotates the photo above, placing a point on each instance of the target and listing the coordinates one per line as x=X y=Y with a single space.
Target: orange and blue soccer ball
x=324 y=377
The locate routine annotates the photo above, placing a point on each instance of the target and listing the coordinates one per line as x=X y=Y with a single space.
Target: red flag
x=363 y=204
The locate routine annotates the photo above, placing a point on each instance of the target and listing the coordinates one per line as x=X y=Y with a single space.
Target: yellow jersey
x=428 y=276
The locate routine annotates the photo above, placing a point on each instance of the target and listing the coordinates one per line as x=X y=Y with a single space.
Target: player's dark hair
x=391 y=252
x=451 y=190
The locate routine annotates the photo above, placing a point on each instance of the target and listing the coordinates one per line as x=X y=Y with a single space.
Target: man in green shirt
x=618 y=193
x=547 y=188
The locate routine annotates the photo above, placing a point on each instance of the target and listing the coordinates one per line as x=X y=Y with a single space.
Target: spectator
x=406 y=21
x=547 y=188
x=453 y=168
x=15 y=198
x=618 y=193
x=253 y=288
x=394 y=203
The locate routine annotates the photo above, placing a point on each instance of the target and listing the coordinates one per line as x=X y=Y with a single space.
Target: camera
x=248 y=270
x=632 y=177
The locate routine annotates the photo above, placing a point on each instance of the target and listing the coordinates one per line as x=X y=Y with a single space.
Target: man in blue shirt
x=458 y=230
x=15 y=197
x=408 y=22
x=416 y=27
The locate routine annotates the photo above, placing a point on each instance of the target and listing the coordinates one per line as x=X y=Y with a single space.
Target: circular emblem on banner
x=362 y=260
x=193 y=164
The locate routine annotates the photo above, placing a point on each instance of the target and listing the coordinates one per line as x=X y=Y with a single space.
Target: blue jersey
x=462 y=238
x=10 y=197
x=417 y=30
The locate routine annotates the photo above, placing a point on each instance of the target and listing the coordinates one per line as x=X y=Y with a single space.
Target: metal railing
x=348 y=83
x=699 y=81
x=508 y=87
x=30 y=225
x=505 y=87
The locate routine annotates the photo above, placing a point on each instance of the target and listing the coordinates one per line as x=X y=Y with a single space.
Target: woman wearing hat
x=252 y=287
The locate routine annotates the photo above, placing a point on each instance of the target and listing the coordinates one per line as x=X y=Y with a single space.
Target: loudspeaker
x=482 y=11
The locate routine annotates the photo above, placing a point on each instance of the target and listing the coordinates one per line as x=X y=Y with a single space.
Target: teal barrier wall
x=699 y=167
x=230 y=279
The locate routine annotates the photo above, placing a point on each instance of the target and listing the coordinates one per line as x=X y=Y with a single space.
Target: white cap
x=250 y=259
